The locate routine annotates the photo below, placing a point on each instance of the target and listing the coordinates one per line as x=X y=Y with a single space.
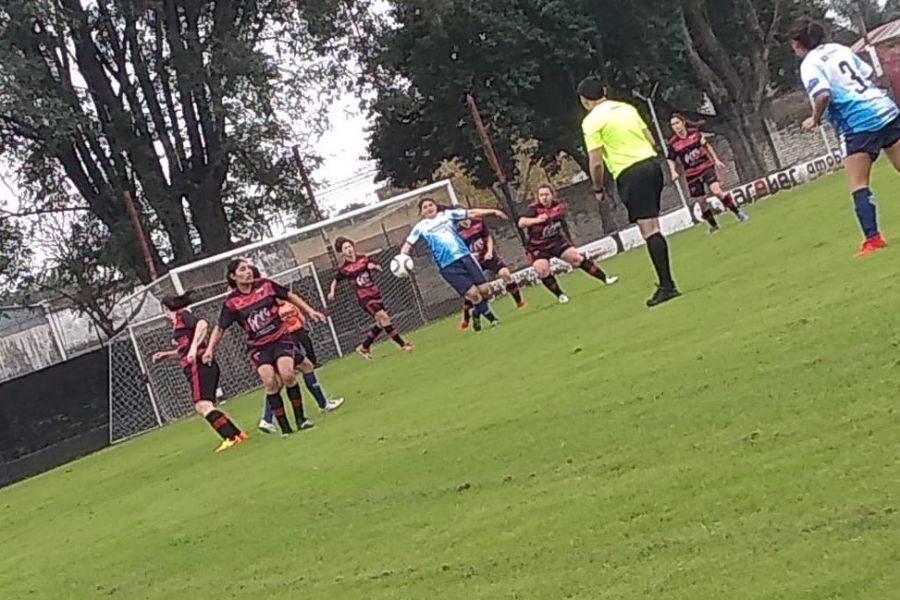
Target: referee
x=615 y=134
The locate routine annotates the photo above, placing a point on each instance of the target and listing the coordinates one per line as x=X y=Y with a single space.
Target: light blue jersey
x=442 y=237
x=857 y=104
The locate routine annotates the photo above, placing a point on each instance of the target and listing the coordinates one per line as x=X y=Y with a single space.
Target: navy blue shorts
x=462 y=274
x=872 y=142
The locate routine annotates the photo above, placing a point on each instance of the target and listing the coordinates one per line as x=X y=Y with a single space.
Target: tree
x=188 y=105
x=857 y=14
x=14 y=255
x=523 y=58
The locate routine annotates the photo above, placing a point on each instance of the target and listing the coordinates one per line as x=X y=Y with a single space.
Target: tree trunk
x=747 y=135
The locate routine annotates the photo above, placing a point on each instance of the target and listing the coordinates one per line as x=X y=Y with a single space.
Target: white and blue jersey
x=857 y=104
x=442 y=238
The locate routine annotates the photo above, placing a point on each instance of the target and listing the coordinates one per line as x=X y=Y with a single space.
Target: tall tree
x=188 y=105
x=523 y=58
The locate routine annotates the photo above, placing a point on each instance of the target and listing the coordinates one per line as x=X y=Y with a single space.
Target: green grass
x=740 y=442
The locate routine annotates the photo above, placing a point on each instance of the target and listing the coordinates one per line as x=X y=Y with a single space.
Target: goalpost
x=143 y=396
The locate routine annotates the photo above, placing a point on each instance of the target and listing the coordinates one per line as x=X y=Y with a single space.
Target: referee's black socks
x=659 y=254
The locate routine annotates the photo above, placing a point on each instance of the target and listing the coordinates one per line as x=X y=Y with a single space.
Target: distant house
x=882 y=46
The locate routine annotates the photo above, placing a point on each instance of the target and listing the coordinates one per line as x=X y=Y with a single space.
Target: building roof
x=883 y=33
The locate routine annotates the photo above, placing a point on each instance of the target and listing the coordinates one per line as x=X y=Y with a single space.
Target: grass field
x=740 y=442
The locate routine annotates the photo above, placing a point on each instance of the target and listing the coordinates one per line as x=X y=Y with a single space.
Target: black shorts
x=270 y=353
x=872 y=142
x=640 y=187
x=371 y=305
x=495 y=265
x=554 y=251
x=697 y=185
x=204 y=381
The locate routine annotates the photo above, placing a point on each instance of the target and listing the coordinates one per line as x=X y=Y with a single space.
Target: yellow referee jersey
x=618 y=129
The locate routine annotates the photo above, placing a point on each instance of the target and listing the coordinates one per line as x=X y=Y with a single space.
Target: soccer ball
x=401 y=266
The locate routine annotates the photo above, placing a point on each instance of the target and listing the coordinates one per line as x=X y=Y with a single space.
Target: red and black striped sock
x=467 y=310
x=395 y=335
x=514 y=291
x=728 y=202
x=710 y=218
x=551 y=284
x=591 y=268
x=224 y=426
x=371 y=336
x=296 y=398
x=277 y=405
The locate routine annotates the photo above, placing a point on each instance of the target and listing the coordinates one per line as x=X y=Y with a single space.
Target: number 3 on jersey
x=847 y=70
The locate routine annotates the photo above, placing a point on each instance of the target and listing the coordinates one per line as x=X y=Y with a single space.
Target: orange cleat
x=463 y=326
x=521 y=305
x=240 y=438
x=873 y=244
x=407 y=347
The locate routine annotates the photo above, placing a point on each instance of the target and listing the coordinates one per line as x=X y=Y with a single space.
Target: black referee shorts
x=640 y=187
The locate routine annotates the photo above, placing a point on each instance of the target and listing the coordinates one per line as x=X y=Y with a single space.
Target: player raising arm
x=840 y=87
x=189 y=339
x=358 y=269
x=451 y=255
x=253 y=303
x=478 y=238
x=689 y=147
x=547 y=236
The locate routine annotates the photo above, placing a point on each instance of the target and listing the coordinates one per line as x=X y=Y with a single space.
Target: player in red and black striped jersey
x=547 y=236
x=189 y=339
x=358 y=269
x=253 y=303
x=478 y=238
x=689 y=147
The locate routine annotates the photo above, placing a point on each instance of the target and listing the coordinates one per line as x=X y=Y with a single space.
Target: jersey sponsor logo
x=259 y=319
x=364 y=279
x=551 y=230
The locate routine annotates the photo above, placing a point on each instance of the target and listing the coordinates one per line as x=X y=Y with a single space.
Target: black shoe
x=662 y=295
x=476 y=325
x=305 y=425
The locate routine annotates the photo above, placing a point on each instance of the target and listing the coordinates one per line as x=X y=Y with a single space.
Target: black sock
x=467 y=310
x=591 y=268
x=371 y=336
x=222 y=424
x=277 y=405
x=551 y=284
x=710 y=218
x=514 y=291
x=659 y=254
x=293 y=393
x=394 y=335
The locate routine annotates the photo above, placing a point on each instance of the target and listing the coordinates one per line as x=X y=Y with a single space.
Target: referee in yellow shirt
x=617 y=137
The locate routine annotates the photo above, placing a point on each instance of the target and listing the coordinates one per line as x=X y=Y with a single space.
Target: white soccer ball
x=401 y=266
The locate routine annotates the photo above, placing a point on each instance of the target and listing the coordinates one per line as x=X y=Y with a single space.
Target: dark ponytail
x=808 y=33
x=176 y=303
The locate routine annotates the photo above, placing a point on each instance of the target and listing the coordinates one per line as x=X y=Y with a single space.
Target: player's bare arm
x=332 y=290
x=673 y=169
x=306 y=308
x=489 y=249
x=200 y=332
x=526 y=222
x=714 y=156
x=214 y=340
x=820 y=103
x=596 y=168
x=164 y=355
x=375 y=267
x=479 y=213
